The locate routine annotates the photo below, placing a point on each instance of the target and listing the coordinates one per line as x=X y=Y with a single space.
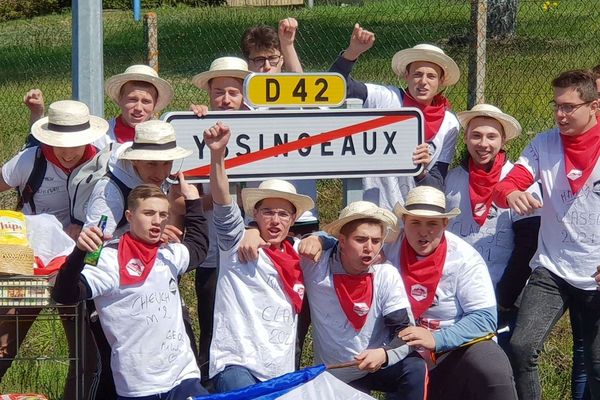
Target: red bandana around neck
x=136 y=259
x=481 y=186
x=421 y=277
x=581 y=154
x=88 y=154
x=287 y=264
x=434 y=113
x=355 y=294
x=123 y=132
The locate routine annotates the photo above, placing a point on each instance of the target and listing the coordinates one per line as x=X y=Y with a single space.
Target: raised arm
x=216 y=138
x=287 y=36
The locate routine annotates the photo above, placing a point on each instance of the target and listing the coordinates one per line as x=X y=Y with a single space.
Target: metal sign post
x=87 y=73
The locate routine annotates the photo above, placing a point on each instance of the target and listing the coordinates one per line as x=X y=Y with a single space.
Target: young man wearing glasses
x=268 y=50
x=566 y=162
x=257 y=302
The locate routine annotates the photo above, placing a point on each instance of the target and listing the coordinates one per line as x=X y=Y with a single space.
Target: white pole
x=87 y=73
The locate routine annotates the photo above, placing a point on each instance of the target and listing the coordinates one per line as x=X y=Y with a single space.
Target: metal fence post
x=151 y=39
x=477 y=53
x=352 y=187
x=87 y=74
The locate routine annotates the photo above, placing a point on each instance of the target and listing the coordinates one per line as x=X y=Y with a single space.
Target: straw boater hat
x=154 y=141
x=429 y=53
x=142 y=73
x=425 y=201
x=69 y=124
x=276 y=188
x=363 y=210
x=232 y=67
x=511 y=126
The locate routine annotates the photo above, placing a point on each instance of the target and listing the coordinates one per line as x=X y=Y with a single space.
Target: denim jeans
x=206 y=288
x=545 y=300
x=187 y=388
x=404 y=380
x=233 y=377
x=579 y=387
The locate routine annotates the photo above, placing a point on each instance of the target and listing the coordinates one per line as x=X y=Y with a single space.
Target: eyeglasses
x=283 y=215
x=273 y=60
x=567 y=108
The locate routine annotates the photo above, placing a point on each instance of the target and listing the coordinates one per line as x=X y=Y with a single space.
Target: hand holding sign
x=216 y=138
x=360 y=41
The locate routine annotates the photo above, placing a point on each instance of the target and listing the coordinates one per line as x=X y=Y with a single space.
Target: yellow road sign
x=295 y=90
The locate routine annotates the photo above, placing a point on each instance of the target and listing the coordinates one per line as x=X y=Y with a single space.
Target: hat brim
x=512 y=127
x=40 y=131
x=399 y=210
x=155 y=155
x=201 y=80
x=113 y=86
x=251 y=196
x=403 y=58
x=334 y=228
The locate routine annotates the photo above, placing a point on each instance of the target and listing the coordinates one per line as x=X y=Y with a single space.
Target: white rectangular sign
x=311 y=144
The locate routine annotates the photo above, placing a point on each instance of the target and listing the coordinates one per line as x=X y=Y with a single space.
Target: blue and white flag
x=306 y=384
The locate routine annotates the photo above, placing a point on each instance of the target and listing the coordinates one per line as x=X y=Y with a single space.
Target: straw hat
x=69 y=124
x=429 y=53
x=361 y=210
x=154 y=141
x=232 y=67
x=142 y=73
x=276 y=188
x=511 y=126
x=425 y=201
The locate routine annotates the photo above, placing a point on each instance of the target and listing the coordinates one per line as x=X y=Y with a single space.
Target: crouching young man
x=257 y=302
x=359 y=306
x=134 y=287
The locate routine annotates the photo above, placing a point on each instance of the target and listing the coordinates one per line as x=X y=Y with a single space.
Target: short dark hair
x=348 y=228
x=259 y=38
x=143 y=192
x=581 y=80
x=596 y=71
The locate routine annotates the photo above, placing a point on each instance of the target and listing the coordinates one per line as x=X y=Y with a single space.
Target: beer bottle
x=91 y=258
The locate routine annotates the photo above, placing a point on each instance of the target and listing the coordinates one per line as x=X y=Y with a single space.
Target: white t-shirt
x=254 y=321
x=52 y=196
x=569 y=239
x=387 y=191
x=334 y=339
x=109 y=137
x=465 y=285
x=150 y=349
x=494 y=240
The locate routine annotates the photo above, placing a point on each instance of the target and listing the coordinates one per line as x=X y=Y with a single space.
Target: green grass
x=36 y=53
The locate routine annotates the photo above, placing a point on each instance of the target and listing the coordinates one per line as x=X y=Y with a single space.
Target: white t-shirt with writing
x=494 y=240
x=143 y=323
x=254 y=321
x=334 y=338
x=52 y=196
x=569 y=239
x=387 y=191
x=465 y=285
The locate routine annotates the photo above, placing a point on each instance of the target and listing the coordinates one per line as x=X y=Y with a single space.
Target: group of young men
x=406 y=289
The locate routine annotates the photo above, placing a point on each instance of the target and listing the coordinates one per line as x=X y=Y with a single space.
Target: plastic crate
x=21 y=291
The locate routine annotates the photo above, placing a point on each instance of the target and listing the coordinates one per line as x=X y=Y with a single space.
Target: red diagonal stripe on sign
x=302 y=143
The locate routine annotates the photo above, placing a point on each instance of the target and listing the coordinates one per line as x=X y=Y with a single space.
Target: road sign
x=310 y=144
x=295 y=90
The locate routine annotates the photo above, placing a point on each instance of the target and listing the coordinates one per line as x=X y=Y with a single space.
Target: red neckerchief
x=481 y=186
x=581 y=153
x=355 y=294
x=434 y=113
x=88 y=154
x=136 y=259
x=123 y=132
x=421 y=277
x=287 y=264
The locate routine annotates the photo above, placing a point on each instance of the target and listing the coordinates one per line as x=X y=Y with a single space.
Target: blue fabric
x=272 y=388
x=470 y=326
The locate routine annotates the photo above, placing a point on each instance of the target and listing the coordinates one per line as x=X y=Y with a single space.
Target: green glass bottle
x=91 y=258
